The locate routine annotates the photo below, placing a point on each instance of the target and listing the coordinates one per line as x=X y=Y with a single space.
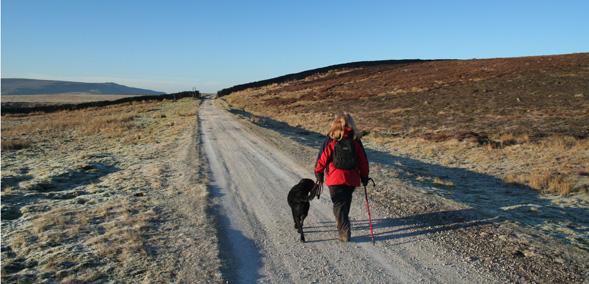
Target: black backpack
x=344 y=154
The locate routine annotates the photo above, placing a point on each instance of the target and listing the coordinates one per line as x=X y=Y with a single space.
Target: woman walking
x=343 y=160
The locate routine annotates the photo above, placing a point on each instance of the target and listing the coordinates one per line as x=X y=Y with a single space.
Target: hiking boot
x=344 y=237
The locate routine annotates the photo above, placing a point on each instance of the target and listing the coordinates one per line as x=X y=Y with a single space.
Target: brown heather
x=525 y=120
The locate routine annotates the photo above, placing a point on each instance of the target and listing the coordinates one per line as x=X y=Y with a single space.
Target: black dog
x=298 y=199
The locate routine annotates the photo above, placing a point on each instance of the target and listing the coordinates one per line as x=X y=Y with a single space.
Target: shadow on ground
x=485 y=194
x=405 y=227
x=241 y=258
x=62 y=186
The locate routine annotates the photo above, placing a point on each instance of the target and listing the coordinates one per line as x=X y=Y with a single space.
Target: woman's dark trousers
x=341 y=196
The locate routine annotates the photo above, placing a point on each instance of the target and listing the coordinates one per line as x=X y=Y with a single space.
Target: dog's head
x=306 y=185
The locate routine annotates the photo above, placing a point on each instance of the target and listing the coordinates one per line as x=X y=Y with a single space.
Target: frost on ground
x=565 y=218
x=129 y=202
x=107 y=206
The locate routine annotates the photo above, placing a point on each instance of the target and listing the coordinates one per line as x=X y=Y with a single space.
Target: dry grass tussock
x=112 y=230
x=115 y=228
x=111 y=122
x=79 y=212
x=554 y=165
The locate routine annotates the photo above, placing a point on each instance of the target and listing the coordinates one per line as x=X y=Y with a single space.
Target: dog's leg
x=301 y=221
x=299 y=227
x=296 y=223
x=295 y=217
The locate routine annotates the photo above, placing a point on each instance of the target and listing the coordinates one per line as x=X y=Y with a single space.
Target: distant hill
x=49 y=87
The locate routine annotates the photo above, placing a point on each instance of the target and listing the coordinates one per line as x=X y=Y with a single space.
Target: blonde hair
x=341 y=121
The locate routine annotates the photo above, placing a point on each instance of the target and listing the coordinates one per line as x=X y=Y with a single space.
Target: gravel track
x=250 y=179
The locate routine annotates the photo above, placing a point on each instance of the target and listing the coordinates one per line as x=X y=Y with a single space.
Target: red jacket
x=335 y=176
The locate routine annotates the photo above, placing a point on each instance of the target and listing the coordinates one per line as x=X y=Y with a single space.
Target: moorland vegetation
x=524 y=120
x=81 y=193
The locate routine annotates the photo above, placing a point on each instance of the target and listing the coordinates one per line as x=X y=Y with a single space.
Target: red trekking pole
x=368 y=208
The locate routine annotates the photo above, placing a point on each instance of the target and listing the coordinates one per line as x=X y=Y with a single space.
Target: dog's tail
x=316 y=191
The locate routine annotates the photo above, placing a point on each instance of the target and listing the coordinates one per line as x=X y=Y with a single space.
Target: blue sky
x=173 y=46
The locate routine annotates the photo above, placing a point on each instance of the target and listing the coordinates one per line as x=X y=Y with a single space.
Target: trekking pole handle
x=373 y=183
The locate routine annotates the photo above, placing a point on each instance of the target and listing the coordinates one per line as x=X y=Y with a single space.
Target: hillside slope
x=536 y=96
x=478 y=132
x=47 y=87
